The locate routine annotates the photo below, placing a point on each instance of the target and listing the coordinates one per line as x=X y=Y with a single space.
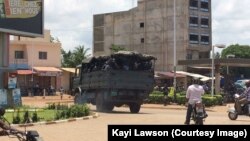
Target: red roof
x=24 y=72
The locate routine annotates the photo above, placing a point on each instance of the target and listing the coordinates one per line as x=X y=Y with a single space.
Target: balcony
x=19 y=64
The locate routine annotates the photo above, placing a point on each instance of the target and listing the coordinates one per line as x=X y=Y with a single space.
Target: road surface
x=95 y=129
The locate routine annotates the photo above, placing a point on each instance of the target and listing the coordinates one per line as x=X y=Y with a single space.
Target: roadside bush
x=35 y=117
x=58 y=106
x=73 y=111
x=16 y=119
x=26 y=118
x=158 y=98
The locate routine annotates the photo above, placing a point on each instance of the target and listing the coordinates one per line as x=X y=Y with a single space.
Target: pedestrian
x=37 y=92
x=61 y=92
x=165 y=92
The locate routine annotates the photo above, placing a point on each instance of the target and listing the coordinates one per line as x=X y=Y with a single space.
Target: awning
x=47 y=71
x=169 y=75
x=24 y=72
x=202 y=77
x=72 y=70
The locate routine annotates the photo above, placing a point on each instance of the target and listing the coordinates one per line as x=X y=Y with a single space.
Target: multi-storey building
x=149 y=28
x=36 y=61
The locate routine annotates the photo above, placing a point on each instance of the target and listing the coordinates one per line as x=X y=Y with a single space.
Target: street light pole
x=212 y=85
x=174 y=51
x=229 y=56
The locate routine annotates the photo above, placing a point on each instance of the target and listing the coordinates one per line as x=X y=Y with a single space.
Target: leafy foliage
x=157 y=97
x=115 y=48
x=72 y=59
x=73 y=111
x=17 y=119
x=239 y=51
x=35 y=117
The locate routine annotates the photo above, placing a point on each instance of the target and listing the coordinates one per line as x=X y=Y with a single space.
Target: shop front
x=48 y=78
x=34 y=82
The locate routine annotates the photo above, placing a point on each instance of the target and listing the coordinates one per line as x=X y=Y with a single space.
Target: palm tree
x=79 y=54
x=72 y=59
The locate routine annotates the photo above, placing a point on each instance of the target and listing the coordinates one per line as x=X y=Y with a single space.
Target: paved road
x=96 y=129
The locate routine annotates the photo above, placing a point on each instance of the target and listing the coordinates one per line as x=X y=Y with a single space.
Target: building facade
x=37 y=61
x=149 y=28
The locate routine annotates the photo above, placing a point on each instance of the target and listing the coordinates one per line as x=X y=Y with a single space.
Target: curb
x=56 y=122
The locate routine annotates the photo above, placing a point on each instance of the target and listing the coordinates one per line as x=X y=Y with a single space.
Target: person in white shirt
x=193 y=94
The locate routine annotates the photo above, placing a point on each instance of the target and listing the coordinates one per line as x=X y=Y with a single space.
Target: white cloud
x=71 y=20
x=231 y=21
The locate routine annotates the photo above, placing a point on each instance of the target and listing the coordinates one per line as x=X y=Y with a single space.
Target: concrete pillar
x=217 y=79
x=4 y=55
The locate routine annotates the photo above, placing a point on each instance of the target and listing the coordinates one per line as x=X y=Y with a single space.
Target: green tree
x=116 y=48
x=72 y=59
x=79 y=54
x=239 y=51
x=67 y=60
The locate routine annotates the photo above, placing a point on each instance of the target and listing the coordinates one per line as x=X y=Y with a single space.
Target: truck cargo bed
x=118 y=79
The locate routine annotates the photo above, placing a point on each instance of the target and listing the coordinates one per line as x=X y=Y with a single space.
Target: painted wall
x=32 y=47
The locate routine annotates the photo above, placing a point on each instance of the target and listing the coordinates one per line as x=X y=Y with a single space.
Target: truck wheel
x=134 y=107
x=77 y=98
x=100 y=102
x=109 y=107
x=232 y=116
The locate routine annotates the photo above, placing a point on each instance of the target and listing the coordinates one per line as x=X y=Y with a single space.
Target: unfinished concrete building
x=149 y=28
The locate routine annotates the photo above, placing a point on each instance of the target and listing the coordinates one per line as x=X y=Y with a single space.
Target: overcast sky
x=71 y=20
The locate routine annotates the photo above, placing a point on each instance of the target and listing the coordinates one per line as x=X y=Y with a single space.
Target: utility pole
x=174 y=51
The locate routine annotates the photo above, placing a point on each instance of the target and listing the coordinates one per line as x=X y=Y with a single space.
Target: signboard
x=12 y=81
x=49 y=73
x=17 y=101
x=3 y=97
x=22 y=17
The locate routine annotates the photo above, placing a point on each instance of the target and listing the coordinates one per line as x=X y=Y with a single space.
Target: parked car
x=241 y=83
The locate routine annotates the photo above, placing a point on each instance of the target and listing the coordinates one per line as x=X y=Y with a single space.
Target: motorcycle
x=199 y=114
x=233 y=112
x=30 y=135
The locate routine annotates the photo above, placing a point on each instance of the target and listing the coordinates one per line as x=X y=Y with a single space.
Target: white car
x=241 y=83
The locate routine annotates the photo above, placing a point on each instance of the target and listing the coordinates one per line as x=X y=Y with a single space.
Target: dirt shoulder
x=39 y=101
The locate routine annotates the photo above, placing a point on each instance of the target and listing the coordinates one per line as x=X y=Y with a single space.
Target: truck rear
x=124 y=78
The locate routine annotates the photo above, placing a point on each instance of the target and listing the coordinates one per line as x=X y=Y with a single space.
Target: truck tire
x=100 y=104
x=77 y=98
x=134 y=107
x=109 y=107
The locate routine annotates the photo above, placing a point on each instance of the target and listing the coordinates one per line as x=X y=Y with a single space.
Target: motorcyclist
x=244 y=98
x=193 y=95
x=6 y=127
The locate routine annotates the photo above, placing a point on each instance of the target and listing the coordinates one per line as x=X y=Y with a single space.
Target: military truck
x=122 y=78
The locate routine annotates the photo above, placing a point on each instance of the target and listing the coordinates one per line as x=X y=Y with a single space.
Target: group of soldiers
x=119 y=61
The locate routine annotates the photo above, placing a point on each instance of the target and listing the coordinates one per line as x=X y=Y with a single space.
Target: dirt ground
x=39 y=101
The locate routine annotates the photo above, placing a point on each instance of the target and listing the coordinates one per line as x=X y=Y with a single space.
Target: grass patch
x=42 y=114
x=51 y=113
